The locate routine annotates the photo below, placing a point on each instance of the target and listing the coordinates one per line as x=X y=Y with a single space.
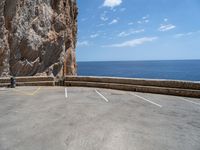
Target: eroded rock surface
x=38 y=37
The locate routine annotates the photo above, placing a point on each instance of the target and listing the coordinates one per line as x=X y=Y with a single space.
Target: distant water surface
x=165 y=69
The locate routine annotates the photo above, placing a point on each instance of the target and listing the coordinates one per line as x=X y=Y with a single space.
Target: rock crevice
x=38 y=37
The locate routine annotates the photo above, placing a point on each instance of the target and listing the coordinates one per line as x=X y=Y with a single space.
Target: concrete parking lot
x=77 y=118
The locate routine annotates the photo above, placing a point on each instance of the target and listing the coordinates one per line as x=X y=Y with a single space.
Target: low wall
x=168 y=87
x=29 y=81
x=34 y=79
x=136 y=81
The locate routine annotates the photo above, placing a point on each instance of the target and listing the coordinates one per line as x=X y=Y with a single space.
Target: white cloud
x=130 y=23
x=103 y=16
x=94 y=35
x=185 y=34
x=165 y=20
x=82 y=43
x=166 y=27
x=130 y=32
x=145 y=17
x=133 y=42
x=143 y=20
x=112 y=3
x=100 y=25
x=114 y=21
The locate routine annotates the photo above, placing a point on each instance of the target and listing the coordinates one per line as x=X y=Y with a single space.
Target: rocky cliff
x=38 y=37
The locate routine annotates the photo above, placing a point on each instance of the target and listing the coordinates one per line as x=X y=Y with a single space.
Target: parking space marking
x=189 y=101
x=66 y=95
x=102 y=96
x=35 y=92
x=27 y=93
x=146 y=100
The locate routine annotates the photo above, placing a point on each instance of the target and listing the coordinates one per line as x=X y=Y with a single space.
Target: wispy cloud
x=133 y=42
x=186 y=34
x=130 y=23
x=82 y=43
x=130 y=32
x=145 y=17
x=114 y=21
x=103 y=16
x=100 y=25
x=94 y=35
x=166 y=27
x=112 y=3
x=165 y=19
x=143 y=20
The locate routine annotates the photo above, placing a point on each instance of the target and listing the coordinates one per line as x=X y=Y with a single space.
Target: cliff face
x=38 y=37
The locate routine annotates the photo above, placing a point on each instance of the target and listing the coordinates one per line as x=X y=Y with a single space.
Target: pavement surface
x=77 y=118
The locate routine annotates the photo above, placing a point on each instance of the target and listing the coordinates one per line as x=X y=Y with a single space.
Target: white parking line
x=146 y=100
x=189 y=101
x=101 y=96
x=66 y=95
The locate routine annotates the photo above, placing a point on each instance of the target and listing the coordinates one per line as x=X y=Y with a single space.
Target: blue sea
x=165 y=69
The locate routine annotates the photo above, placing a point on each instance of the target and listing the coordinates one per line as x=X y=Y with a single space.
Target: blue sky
x=113 y=30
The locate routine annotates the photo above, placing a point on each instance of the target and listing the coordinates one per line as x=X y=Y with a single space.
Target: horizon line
x=139 y=60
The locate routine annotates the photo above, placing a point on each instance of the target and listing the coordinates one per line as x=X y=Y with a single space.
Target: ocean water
x=165 y=69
